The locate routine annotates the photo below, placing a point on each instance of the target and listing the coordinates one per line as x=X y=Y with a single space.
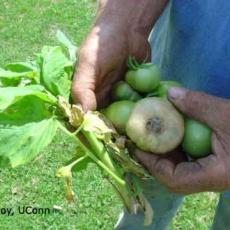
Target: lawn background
x=25 y=26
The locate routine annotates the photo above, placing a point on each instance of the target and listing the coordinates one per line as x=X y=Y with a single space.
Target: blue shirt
x=191 y=44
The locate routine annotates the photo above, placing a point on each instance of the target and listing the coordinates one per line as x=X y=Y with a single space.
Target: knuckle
x=159 y=168
x=162 y=172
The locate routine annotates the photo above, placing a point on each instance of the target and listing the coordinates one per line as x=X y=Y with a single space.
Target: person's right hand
x=102 y=62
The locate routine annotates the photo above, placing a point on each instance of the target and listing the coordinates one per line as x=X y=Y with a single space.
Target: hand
x=102 y=62
x=120 y=30
x=211 y=173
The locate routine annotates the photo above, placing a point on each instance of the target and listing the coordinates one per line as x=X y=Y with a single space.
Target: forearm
x=135 y=16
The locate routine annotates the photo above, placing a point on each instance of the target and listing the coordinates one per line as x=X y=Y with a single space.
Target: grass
x=25 y=26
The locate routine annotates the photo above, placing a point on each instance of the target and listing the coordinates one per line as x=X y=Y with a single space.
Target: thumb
x=200 y=106
x=83 y=87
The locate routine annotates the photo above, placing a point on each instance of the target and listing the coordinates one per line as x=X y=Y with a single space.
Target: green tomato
x=123 y=91
x=118 y=113
x=162 y=89
x=145 y=79
x=135 y=96
x=197 y=139
x=129 y=77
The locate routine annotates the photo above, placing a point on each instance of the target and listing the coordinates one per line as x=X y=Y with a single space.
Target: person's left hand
x=211 y=173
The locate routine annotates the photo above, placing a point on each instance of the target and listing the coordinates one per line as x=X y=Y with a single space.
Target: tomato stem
x=120 y=181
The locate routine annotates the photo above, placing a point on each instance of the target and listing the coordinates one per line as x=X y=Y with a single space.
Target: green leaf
x=15 y=72
x=53 y=75
x=40 y=56
x=72 y=49
x=28 y=109
x=11 y=95
x=69 y=69
x=5 y=82
x=10 y=74
x=81 y=165
x=20 y=144
x=20 y=67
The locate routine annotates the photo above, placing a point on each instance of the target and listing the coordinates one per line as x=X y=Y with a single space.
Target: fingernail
x=176 y=93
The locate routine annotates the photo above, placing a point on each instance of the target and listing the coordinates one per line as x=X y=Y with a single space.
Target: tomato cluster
x=143 y=81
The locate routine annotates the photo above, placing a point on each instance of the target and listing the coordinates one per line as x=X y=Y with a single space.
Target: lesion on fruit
x=155 y=125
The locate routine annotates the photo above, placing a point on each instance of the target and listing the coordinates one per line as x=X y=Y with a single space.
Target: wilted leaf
x=97 y=123
x=66 y=173
x=94 y=122
x=147 y=208
x=74 y=113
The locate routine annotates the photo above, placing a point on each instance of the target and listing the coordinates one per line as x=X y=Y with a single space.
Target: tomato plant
x=35 y=103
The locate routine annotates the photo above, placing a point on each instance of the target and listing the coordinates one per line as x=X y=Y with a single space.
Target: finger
x=159 y=167
x=83 y=87
x=205 y=174
x=189 y=177
x=200 y=106
x=148 y=160
x=103 y=91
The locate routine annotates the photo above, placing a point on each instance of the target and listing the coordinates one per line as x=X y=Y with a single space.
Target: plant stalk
x=104 y=156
